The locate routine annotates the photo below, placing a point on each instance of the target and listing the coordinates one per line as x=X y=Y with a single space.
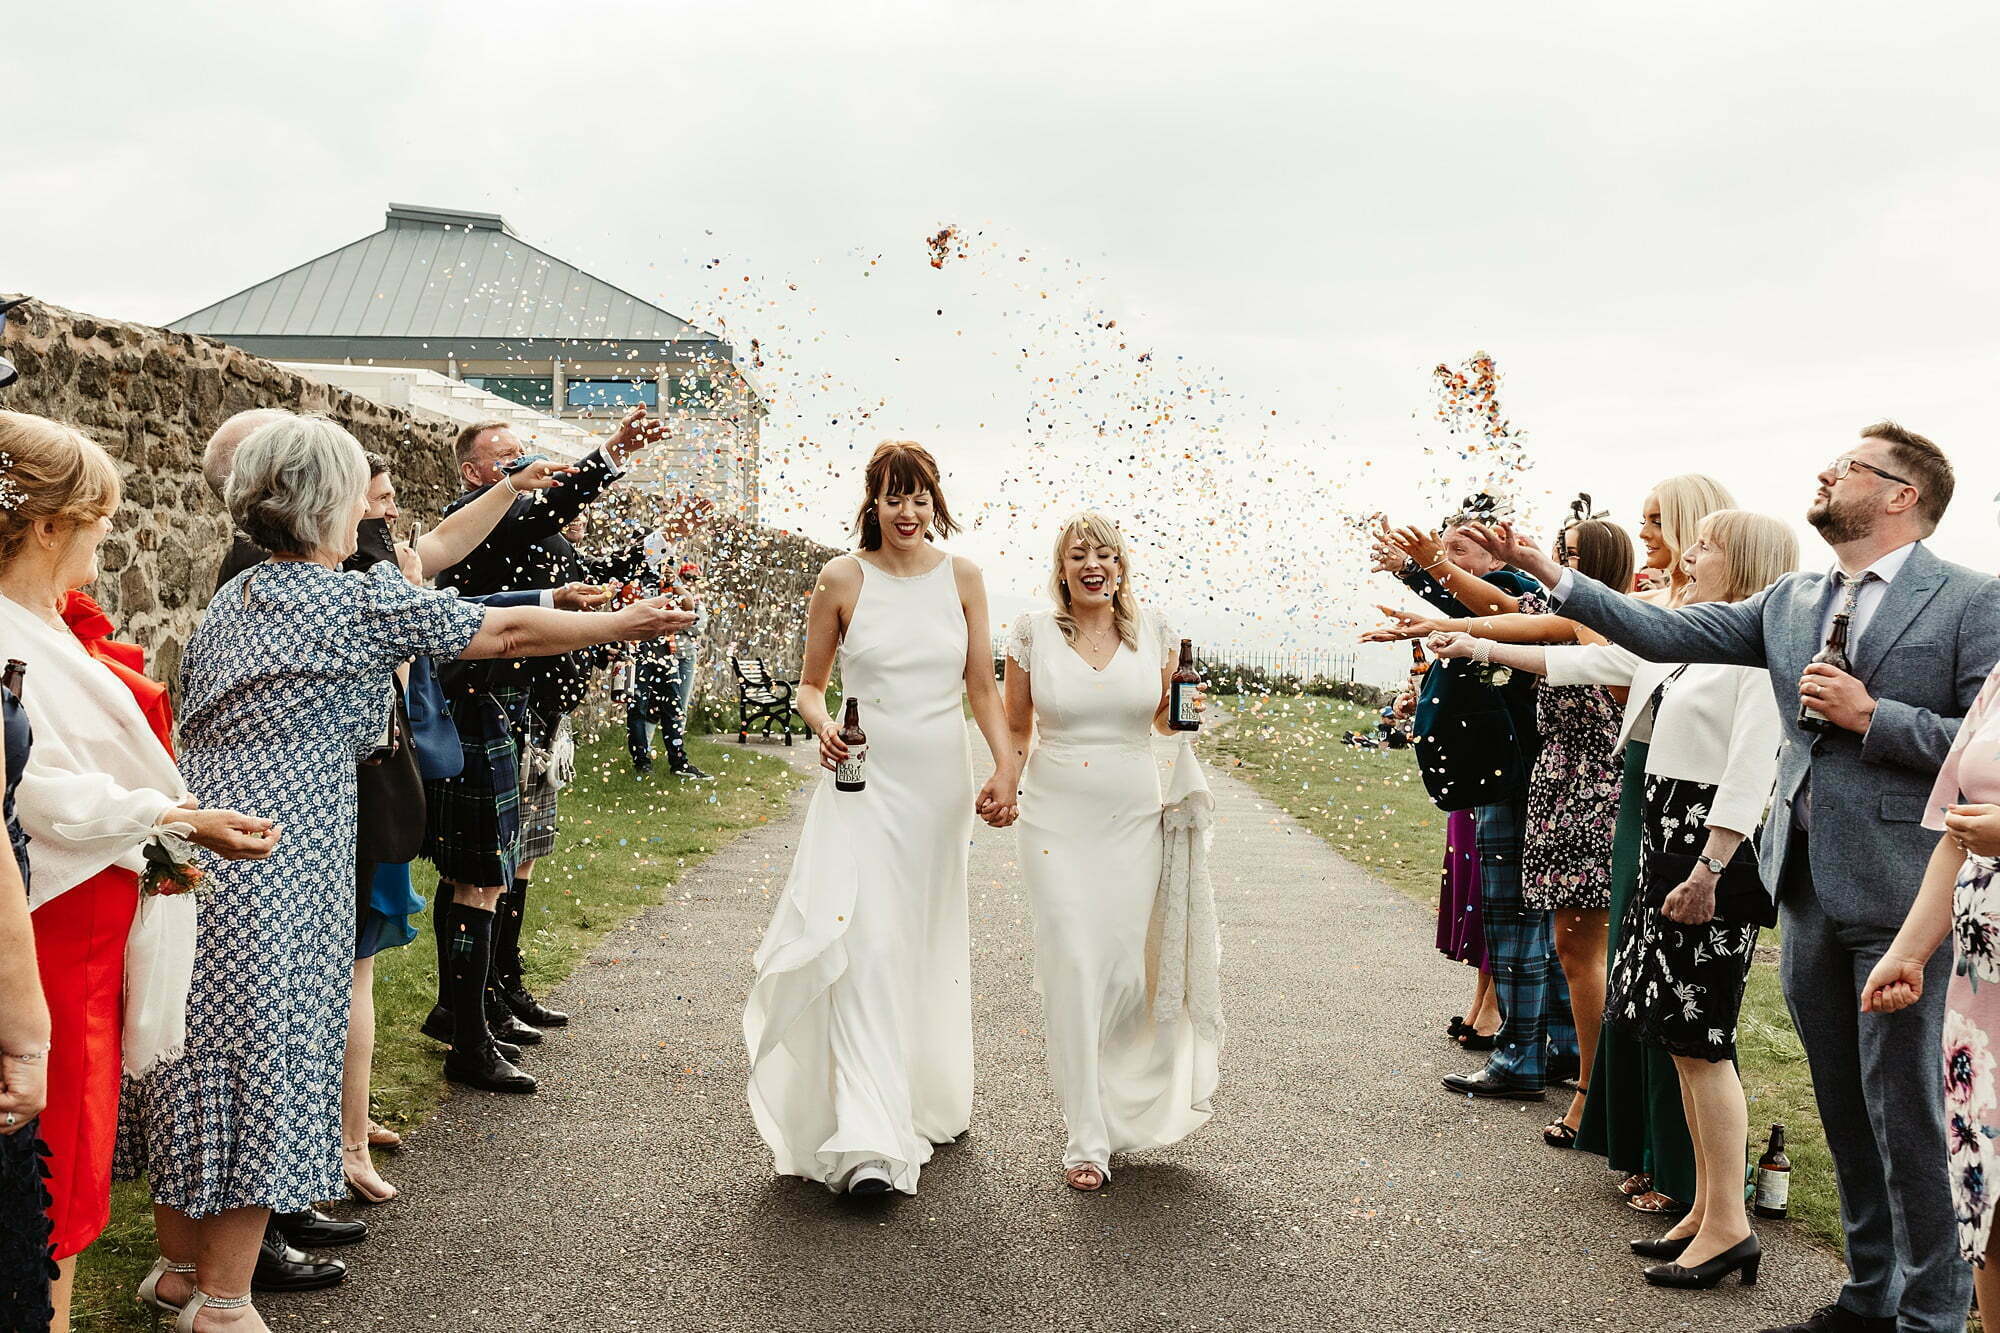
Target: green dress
x=1633 y=1116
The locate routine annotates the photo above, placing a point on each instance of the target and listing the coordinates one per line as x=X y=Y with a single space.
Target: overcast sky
x=1695 y=237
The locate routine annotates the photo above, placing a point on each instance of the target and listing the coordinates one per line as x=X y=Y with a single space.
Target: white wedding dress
x=859 y=1024
x=1091 y=844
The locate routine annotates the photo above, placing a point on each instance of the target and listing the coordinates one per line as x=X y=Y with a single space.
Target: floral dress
x=1572 y=794
x=1674 y=986
x=1972 y=1003
x=284 y=686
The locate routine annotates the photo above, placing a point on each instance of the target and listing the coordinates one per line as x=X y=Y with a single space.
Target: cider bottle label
x=849 y=770
x=1183 y=704
x=1774 y=1190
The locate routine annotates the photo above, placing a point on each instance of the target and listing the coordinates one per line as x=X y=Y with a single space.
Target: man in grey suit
x=1844 y=842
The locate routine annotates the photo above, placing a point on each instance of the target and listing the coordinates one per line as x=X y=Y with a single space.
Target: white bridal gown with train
x=859 y=1024
x=1091 y=845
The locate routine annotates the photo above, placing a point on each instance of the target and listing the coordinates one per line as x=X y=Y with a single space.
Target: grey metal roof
x=436 y=273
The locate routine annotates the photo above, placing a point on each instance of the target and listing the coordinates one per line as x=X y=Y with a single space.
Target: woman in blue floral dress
x=286 y=684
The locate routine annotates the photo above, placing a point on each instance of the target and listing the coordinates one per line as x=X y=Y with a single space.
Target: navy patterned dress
x=284 y=687
x=1572 y=793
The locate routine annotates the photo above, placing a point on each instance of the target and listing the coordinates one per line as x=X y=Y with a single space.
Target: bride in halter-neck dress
x=859 y=1025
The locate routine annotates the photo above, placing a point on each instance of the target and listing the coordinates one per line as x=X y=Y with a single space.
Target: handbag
x=433 y=735
x=1740 y=898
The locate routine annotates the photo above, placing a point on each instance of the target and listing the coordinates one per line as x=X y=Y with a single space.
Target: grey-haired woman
x=286 y=684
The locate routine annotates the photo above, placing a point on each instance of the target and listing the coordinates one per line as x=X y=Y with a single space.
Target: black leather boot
x=475 y=1060
x=507 y=962
x=282 y=1268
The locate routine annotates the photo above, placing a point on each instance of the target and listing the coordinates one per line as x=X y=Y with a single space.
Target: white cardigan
x=1717 y=724
x=97 y=781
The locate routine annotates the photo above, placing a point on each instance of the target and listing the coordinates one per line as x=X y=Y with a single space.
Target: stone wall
x=152 y=398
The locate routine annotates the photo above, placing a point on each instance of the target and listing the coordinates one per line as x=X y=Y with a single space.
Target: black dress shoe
x=437 y=1026
x=1490 y=1083
x=1742 y=1258
x=487 y=1070
x=500 y=1019
x=310 y=1229
x=1671 y=1248
x=1833 y=1319
x=531 y=1010
x=282 y=1268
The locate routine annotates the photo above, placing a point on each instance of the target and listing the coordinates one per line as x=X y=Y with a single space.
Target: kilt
x=538 y=811
x=472 y=826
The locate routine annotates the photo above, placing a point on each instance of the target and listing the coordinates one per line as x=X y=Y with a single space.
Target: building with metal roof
x=459 y=293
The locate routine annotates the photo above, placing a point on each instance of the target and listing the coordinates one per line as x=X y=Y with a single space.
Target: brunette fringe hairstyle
x=901 y=467
x=1094 y=530
x=51 y=470
x=1604 y=551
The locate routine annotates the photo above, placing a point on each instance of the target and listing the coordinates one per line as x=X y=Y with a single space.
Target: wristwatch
x=1714 y=864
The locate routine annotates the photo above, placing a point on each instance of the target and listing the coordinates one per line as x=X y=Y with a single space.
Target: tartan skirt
x=472 y=827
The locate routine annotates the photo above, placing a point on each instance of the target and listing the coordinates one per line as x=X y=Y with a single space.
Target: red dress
x=80 y=945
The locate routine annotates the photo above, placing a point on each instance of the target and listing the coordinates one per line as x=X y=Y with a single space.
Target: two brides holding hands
x=859 y=1023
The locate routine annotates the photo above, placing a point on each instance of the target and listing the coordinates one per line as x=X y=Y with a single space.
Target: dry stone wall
x=152 y=398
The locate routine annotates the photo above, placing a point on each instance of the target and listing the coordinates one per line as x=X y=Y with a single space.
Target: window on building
x=528 y=390
x=613 y=393
x=694 y=393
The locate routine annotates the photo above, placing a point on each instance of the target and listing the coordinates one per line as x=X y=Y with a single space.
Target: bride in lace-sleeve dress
x=859 y=1024
x=1089 y=680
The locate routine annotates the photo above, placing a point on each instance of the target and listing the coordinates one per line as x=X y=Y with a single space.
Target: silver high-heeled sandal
x=149 y=1290
x=202 y=1300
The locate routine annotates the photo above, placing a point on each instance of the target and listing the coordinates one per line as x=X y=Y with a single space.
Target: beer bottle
x=1180 y=694
x=1417 y=658
x=849 y=774
x=14 y=677
x=1774 y=1177
x=1834 y=655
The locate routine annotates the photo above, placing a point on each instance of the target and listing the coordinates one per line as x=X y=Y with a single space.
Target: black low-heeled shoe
x=1458 y=1027
x=1668 y=1247
x=1474 y=1041
x=1742 y=1258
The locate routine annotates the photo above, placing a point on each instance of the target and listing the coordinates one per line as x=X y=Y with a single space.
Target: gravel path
x=1337 y=1187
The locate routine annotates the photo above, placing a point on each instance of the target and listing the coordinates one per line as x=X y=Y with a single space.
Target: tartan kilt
x=472 y=828
x=538 y=813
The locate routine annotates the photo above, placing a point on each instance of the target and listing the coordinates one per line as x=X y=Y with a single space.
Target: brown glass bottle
x=1834 y=655
x=1773 y=1178
x=1417 y=658
x=850 y=774
x=1181 y=715
x=14 y=676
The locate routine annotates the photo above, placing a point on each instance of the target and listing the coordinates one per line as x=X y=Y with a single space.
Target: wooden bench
x=762 y=697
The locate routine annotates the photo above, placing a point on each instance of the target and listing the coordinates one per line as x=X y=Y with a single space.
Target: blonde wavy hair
x=1094 y=530
x=51 y=470
x=1758 y=550
x=1684 y=502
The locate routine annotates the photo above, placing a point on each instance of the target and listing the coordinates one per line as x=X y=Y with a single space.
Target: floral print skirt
x=1674 y=986
x=1971 y=1030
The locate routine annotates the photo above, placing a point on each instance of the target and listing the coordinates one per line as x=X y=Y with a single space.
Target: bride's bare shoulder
x=840 y=575
x=966 y=573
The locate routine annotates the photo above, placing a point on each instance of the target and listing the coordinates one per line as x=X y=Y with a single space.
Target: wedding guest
x=1634 y=1115
x=1960 y=900
x=1477 y=742
x=1845 y=841
x=99 y=789
x=1573 y=796
x=859 y=1022
x=246 y=1119
x=1087 y=687
x=216 y=458
x=1689 y=937
x=486 y=827
x=25 y=1266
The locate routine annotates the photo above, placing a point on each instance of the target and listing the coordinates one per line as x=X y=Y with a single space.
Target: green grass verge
x=1371 y=806
x=624 y=844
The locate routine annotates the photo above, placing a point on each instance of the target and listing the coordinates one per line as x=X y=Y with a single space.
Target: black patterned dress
x=1674 y=986
x=1572 y=795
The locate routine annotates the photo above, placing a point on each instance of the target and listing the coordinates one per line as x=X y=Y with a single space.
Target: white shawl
x=1183 y=941
x=96 y=784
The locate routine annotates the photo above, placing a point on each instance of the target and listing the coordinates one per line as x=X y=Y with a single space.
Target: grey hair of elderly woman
x=297 y=485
